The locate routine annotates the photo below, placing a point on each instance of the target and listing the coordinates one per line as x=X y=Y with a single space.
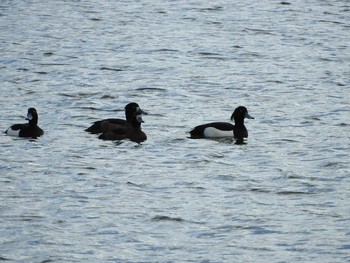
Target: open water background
x=282 y=197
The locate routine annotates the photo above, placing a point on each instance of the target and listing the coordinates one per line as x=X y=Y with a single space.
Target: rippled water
x=282 y=197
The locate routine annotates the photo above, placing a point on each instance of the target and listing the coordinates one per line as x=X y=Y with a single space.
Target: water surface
x=282 y=197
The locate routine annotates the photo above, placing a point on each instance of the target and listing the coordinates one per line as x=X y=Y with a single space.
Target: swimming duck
x=111 y=124
x=132 y=132
x=30 y=129
x=224 y=129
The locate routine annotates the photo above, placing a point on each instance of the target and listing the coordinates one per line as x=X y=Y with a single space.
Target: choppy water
x=283 y=197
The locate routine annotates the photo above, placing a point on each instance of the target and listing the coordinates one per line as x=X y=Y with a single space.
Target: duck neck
x=33 y=121
x=136 y=124
x=239 y=122
x=128 y=117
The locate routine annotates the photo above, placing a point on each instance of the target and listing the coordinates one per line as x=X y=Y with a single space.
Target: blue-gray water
x=282 y=197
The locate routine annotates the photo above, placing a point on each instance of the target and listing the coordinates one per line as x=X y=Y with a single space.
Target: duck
x=30 y=129
x=111 y=124
x=224 y=129
x=130 y=132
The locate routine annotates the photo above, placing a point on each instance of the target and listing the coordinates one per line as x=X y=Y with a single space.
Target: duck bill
x=139 y=111
x=248 y=116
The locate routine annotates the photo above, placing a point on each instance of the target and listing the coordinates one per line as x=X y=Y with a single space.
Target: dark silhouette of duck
x=224 y=129
x=30 y=129
x=130 y=132
x=111 y=124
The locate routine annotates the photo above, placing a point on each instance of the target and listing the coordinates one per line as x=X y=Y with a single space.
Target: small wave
x=166 y=50
x=212 y=55
x=211 y=9
x=167 y=218
x=47 y=54
x=146 y=88
x=22 y=69
x=259 y=31
x=41 y=72
x=111 y=69
x=293 y=193
x=79 y=94
x=136 y=185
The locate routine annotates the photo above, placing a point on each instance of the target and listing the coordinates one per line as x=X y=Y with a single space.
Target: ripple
x=294 y=193
x=150 y=89
x=111 y=69
x=167 y=218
